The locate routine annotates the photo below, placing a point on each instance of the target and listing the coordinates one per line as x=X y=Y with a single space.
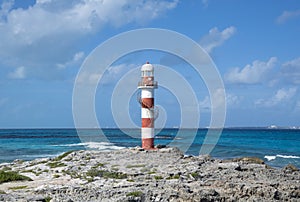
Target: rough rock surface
x=137 y=175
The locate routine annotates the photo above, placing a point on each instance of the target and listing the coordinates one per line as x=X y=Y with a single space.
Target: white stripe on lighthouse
x=147 y=113
x=147 y=132
x=147 y=93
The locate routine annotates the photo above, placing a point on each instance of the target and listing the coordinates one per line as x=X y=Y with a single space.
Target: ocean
x=277 y=147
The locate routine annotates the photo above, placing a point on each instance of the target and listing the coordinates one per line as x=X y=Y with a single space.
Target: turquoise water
x=277 y=147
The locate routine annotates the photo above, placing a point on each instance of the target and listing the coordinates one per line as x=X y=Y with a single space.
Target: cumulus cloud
x=290 y=71
x=205 y=103
x=216 y=38
x=298 y=105
x=49 y=32
x=209 y=42
x=88 y=78
x=5 y=8
x=251 y=74
x=19 y=73
x=287 y=15
x=230 y=99
x=281 y=96
x=77 y=57
x=111 y=75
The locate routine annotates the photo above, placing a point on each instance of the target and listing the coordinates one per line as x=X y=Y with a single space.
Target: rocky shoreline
x=136 y=175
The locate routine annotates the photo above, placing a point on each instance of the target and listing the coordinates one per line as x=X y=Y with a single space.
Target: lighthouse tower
x=147 y=86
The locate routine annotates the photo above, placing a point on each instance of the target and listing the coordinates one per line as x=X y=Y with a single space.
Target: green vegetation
x=254 y=160
x=27 y=171
x=136 y=166
x=151 y=172
x=32 y=171
x=60 y=157
x=73 y=174
x=195 y=175
x=47 y=199
x=99 y=165
x=6 y=168
x=37 y=163
x=106 y=174
x=55 y=164
x=130 y=180
x=158 y=177
x=135 y=194
x=56 y=176
x=291 y=167
x=18 y=187
x=12 y=176
x=88 y=156
x=19 y=161
x=177 y=176
x=2 y=192
x=145 y=170
x=114 y=167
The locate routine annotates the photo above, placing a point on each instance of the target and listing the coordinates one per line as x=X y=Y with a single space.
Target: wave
x=270 y=158
x=167 y=137
x=163 y=137
x=103 y=146
x=34 y=156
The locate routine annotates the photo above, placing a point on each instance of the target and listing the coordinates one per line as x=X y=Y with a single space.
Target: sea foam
x=103 y=146
x=270 y=158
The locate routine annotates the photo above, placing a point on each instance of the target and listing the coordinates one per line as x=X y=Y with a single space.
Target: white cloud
x=232 y=100
x=290 y=71
x=298 y=105
x=281 y=96
x=19 y=73
x=88 y=78
x=216 y=38
x=5 y=8
x=205 y=103
x=287 y=15
x=251 y=74
x=77 y=57
x=50 y=31
x=111 y=75
x=208 y=42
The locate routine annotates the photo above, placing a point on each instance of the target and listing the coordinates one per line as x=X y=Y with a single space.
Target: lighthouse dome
x=147 y=67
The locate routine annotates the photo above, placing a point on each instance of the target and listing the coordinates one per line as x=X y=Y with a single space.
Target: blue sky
x=254 y=44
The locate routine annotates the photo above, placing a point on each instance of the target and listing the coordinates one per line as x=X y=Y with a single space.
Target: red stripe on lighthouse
x=147 y=102
x=147 y=123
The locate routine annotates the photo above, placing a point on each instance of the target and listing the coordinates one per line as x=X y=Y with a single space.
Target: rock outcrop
x=137 y=175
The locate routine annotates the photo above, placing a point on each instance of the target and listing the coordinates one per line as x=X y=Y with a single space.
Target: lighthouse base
x=148 y=143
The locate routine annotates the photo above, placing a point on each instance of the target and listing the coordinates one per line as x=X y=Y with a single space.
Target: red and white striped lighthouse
x=147 y=86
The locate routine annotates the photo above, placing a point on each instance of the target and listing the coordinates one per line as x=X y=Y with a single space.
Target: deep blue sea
x=277 y=147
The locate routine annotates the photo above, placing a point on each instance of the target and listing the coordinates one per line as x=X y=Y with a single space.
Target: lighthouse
x=147 y=86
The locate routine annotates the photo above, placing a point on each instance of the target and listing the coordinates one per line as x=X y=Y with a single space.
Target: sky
x=255 y=46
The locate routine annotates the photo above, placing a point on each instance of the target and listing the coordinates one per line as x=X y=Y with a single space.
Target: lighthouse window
x=147 y=73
